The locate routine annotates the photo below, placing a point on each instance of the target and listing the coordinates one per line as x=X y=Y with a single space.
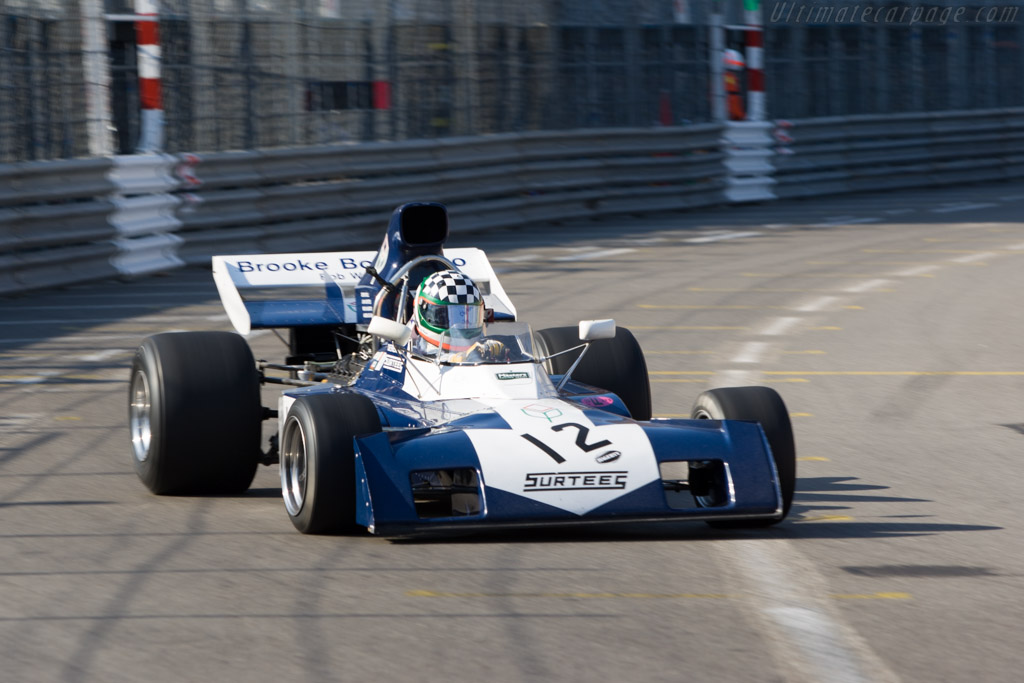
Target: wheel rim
x=702 y=415
x=293 y=468
x=139 y=417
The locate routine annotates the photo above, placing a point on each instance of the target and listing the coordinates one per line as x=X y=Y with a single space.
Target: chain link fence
x=250 y=74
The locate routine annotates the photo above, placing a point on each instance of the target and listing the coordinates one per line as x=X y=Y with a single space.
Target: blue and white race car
x=415 y=400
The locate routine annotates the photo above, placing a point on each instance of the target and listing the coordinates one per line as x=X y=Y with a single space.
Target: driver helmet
x=449 y=310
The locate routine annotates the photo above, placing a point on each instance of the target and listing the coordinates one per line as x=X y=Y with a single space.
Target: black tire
x=318 y=471
x=194 y=413
x=616 y=365
x=764 y=406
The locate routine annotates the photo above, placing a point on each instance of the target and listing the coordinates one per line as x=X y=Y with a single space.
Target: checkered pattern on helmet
x=451 y=287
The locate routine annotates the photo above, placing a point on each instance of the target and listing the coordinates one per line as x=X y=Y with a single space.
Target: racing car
x=415 y=400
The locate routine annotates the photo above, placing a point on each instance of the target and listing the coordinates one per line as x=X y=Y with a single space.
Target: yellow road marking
x=643 y=596
x=678 y=381
x=703 y=307
x=68 y=418
x=704 y=328
x=854 y=308
x=826 y=518
x=808 y=352
x=801 y=415
x=660 y=353
x=843 y=276
x=813 y=458
x=772 y=290
x=825 y=328
x=908 y=263
x=680 y=372
x=637 y=596
x=899 y=373
x=939 y=251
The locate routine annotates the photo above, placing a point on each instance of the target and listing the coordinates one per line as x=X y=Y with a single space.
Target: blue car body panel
x=386 y=461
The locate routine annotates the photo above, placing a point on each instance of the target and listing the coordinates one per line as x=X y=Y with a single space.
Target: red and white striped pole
x=755 y=60
x=147 y=36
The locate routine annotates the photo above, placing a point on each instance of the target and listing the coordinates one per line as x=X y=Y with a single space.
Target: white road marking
x=517 y=259
x=779 y=326
x=585 y=255
x=751 y=352
x=103 y=355
x=720 y=237
x=866 y=286
x=102 y=321
x=89 y=338
x=734 y=378
x=951 y=208
x=808 y=638
x=1016 y=247
x=916 y=271
x=12 y=423
x=971 y=258
x=118 y=294
x=89 y=306
x=818 y=304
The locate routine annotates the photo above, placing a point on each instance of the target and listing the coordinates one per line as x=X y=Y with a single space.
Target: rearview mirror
x=597 y=329
x=385 y=328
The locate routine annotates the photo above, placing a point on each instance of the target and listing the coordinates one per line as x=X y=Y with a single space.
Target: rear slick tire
x=764 y=406
x=194 y=413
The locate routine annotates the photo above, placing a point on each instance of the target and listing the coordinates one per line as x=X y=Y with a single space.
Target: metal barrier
x=70 y=221
x=338 y=196
x=858 y=153
x=54 y=227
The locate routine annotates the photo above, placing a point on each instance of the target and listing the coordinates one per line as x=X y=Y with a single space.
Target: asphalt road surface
x=891 y=324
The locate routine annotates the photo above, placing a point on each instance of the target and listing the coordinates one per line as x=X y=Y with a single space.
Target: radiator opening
x=692 y=484
x=446 y=493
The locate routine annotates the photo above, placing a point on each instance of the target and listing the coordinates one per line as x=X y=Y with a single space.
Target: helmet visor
x=459 y=319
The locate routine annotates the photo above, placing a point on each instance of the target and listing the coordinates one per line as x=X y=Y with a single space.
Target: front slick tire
x=616 y=365
x=318 y=470
x=764 y=406
x=194 y=413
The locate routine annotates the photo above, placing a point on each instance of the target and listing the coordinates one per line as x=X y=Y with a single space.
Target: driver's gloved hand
x=491 y=349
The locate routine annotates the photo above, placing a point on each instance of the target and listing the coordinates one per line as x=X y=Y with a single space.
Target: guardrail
x=70 y=221
x=53 y=223
x=335 y=197
x=858 y=153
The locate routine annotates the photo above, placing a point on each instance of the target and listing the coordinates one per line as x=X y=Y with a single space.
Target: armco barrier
x=54 y=227
x=857 y=153
x=70 y=221
x=338 y=196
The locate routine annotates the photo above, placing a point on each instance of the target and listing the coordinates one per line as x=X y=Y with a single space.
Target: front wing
x=412 y=481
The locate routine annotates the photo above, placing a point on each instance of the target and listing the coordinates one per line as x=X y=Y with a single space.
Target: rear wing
x=262 y=291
